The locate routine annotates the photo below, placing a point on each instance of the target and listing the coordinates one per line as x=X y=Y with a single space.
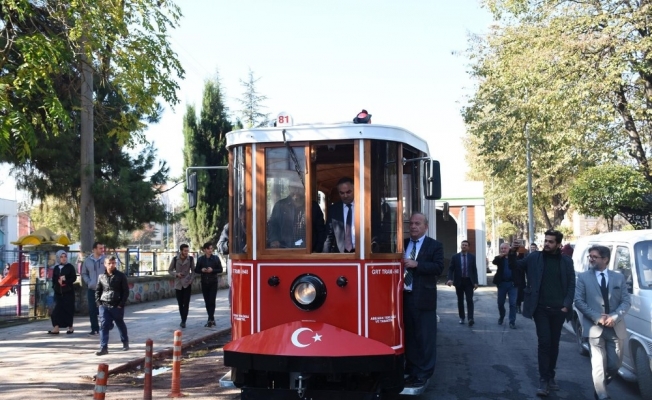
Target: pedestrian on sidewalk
x=602 y=297
x=548 y=300
x=507 y=282
x=63 y=279
x=463 y=274
x=182 y=268
x=111 y=297
x=209 y=267
x=91 y=270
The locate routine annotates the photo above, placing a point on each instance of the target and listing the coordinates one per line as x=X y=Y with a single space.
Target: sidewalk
x=35 y=362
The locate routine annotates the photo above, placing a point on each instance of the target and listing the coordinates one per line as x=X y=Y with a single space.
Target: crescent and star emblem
x=295 y=337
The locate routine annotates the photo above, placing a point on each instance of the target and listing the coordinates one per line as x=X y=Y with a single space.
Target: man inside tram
x=341 y=229
x=286 y=227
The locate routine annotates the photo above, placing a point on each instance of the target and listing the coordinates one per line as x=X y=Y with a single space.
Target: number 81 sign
x=284 y=119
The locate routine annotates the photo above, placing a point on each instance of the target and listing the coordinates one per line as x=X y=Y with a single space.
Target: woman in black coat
x=63 y=279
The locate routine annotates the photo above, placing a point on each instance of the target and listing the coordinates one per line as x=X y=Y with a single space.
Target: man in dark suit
x=341 y=229
x=603 y=299
x=463 y=274
x=424 y=262
x=548 y=300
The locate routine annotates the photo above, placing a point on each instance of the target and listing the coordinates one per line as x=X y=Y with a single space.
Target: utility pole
x=530 y=208
x=87 y=211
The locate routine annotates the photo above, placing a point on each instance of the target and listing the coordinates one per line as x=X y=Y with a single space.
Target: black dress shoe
x=500 y=320
x=416 y=383
x=102 y=352
x=183 y=324
x=543 y=390
x=471 y=322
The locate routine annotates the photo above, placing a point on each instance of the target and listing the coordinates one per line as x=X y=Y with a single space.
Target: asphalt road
x=491 y=361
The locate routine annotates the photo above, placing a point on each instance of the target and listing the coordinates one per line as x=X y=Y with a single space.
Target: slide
x=10 y=280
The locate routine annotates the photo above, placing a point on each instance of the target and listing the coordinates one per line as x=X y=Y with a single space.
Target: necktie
x=408 y=271
x=605 y=293
x=348 y=239
x=464 y=271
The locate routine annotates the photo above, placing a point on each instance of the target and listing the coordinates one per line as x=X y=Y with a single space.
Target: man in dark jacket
x=548 y=300
x=111 y=296
x=424 y=262
x=209 y=267
x=463 y=274
x=508 y=281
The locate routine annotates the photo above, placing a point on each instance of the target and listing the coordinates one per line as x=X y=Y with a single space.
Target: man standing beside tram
x=424 y=262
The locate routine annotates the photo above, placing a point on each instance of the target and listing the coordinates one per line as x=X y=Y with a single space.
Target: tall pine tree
x=205 y=145
x=251 y=115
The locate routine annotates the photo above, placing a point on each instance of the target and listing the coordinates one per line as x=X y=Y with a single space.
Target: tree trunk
x=87 y=206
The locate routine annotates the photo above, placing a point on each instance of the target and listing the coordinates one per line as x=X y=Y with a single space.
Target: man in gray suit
x=601 y=295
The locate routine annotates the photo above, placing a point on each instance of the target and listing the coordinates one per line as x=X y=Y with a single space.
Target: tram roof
x=326 y=132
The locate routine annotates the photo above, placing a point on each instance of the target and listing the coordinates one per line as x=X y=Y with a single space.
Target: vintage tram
x=306 y=321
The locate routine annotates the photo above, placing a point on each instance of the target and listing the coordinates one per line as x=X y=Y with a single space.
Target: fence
x=31 y=296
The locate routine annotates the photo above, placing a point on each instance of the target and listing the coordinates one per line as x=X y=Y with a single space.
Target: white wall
x=9 y=224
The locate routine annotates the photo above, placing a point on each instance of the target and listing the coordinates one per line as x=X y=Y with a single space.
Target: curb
x=165 y=352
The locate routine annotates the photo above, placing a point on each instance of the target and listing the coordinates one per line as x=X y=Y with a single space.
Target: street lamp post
x=530 y=208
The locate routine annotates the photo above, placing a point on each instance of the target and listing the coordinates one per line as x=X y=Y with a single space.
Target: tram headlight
x=308 y=292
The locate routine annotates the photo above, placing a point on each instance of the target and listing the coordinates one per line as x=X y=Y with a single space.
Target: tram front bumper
x=310 y=346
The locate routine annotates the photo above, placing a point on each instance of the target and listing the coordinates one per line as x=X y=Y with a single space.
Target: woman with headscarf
x=63 y=278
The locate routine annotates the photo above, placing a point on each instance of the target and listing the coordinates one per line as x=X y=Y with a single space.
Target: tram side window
x=384 y=196
x=239 y=230
x=411 y=189
x=285 y=197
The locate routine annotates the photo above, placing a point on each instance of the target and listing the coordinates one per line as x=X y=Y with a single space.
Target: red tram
x=307 y=322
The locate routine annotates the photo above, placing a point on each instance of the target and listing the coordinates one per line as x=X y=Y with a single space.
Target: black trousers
x=465 y=290
x=209 y=290
x=183 y=299
x=549 y=322
x=420 y=339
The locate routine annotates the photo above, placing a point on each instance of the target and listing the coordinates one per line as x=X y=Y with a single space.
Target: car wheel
x=643 y=373
x=581 y=341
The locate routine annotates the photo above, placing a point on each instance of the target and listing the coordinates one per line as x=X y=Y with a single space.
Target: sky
x=325 y=61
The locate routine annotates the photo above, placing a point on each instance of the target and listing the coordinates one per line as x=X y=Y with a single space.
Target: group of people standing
x=545 y=282
x=108 y=291
x=107 y=295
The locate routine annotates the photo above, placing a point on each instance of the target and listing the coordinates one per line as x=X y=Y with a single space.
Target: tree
x=126 y=43
x=536 y=86
x=205 y=145
x=251 y=114
x=605 y=189
x=53 y=50
x=126 y=187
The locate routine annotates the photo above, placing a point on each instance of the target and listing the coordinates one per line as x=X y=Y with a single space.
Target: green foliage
x=127 y=44
x=603 y=190
x=572 y=79
x=205 y=145
x=251 y=114
x=507 y=229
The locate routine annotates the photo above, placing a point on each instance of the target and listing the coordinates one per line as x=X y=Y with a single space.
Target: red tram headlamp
x=308 y=292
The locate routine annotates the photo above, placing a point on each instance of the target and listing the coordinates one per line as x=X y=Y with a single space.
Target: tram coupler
x=299 y=382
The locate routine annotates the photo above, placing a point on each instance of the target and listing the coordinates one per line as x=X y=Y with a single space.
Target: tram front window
x=285 y=197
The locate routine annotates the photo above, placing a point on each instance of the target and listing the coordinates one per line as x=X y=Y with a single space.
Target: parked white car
x=631 y=255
